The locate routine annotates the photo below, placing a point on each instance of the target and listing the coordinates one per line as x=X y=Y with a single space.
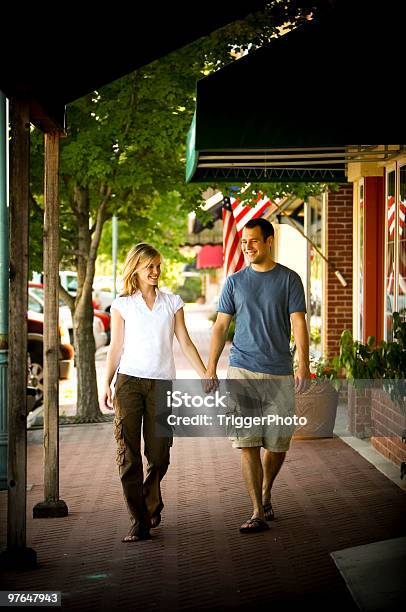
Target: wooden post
x=52 y=506
x=17 y=554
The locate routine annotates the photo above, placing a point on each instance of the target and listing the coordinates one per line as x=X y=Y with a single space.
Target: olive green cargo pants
x=134 y=405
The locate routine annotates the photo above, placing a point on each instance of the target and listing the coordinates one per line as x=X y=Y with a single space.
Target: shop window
x=401 y=284
x=390 y=271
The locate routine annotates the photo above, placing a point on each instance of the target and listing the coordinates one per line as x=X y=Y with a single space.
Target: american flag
x=235 y=216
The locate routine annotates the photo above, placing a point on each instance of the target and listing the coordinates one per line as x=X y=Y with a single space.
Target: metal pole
x=3 y=290
x=114 y=252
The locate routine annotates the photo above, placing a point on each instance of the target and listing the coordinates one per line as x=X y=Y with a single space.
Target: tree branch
x=100 y=219
x=75 y=252
x=35 y=206
x=67 y=297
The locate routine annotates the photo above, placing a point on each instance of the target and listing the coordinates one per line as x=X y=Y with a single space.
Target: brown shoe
x=155 y=520
x=253 y=525
x=268 y=511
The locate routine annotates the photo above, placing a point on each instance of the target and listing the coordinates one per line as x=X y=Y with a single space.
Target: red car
x=100 y=314
x=35 y=351
x=104 y=318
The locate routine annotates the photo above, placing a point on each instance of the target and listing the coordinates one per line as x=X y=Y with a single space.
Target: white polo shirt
x=148 y=335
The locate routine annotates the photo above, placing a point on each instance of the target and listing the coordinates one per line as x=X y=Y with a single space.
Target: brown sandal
x=155 y=520
x=268 y=511
x=254 y=525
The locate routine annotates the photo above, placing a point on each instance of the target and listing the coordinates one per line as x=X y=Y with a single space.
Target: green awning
x=290 y=110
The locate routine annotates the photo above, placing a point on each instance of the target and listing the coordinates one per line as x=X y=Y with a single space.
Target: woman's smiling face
x=150 y=273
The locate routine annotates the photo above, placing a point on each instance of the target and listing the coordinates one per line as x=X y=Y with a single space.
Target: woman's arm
x=187 y=346
x=113 y=356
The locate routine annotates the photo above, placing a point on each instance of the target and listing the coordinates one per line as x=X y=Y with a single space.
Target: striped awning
x=290 y=110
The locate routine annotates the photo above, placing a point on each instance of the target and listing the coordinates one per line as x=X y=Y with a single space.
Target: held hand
x=106 y=400
x=210 y=381
x=302 y=379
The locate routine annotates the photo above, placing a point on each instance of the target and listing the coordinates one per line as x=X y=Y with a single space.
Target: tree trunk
x=87 y=396
x=82 y=308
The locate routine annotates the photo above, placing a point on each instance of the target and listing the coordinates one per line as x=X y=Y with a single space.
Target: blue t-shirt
x=262 y=303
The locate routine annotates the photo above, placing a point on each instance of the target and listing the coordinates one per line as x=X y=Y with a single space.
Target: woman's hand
x=210 y=381
x=106 y=400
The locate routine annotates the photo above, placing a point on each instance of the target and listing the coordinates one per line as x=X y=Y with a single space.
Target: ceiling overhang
x=50 y=61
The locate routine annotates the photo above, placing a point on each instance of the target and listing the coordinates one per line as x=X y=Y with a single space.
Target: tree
x=124 y=155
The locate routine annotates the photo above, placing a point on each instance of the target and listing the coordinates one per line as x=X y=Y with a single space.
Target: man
x=266 y=298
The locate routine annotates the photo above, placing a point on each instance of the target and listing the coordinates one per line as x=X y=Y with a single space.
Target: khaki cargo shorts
x=268 y=397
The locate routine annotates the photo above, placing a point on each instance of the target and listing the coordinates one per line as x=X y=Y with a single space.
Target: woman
x=143 y=321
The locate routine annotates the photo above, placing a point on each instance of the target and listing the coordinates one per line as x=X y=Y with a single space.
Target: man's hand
x=106 y=400
x=210 y=381
x=302 y=379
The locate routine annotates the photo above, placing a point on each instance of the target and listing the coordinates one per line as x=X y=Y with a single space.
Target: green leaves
x=387 y=360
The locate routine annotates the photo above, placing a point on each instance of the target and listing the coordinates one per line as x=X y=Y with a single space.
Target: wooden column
x=17 y=554
x=52 y=506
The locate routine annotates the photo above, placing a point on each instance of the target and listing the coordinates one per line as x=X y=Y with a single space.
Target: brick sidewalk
x=327 y=498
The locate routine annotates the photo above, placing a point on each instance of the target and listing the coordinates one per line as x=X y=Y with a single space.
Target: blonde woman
x=143 y=322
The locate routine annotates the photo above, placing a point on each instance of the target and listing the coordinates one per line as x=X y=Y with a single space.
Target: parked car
x=103 y=292
x=69 y=281
x=36 y=304
x=105 y=318
x=35 y=352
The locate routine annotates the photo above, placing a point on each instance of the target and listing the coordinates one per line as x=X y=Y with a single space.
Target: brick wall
x=359 y=411
x=388 y=426
x=339 y=246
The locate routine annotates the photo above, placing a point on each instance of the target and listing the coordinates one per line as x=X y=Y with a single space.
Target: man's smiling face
x=255 y=248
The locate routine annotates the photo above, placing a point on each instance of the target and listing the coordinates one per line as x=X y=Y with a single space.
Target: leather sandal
x=268 y=511
x=254 y=525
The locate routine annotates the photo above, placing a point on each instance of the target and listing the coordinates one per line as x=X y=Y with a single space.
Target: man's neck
x=265 y=266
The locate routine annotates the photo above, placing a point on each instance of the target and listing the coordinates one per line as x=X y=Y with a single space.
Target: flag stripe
x=235 y=217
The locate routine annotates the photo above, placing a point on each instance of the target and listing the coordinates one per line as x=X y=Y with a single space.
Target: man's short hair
x=265 y=226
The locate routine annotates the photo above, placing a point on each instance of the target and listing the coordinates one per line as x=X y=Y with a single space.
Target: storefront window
x=401 y=304
x=316 y=271
x=390 y=286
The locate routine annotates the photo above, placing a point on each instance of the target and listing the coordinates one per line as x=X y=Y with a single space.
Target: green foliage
x=191 y=288
x=315 y=334
x=386 y=361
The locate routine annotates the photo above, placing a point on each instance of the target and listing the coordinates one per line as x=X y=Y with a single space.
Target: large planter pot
x=318 y=404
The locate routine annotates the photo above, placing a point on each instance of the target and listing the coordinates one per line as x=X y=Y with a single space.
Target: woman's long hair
x=138 y=257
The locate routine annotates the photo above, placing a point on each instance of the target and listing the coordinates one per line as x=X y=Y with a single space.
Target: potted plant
x=377 y=373
x=318 y=404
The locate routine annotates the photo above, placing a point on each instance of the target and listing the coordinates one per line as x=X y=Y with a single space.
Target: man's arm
x=218 y=340
x=301 y=335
